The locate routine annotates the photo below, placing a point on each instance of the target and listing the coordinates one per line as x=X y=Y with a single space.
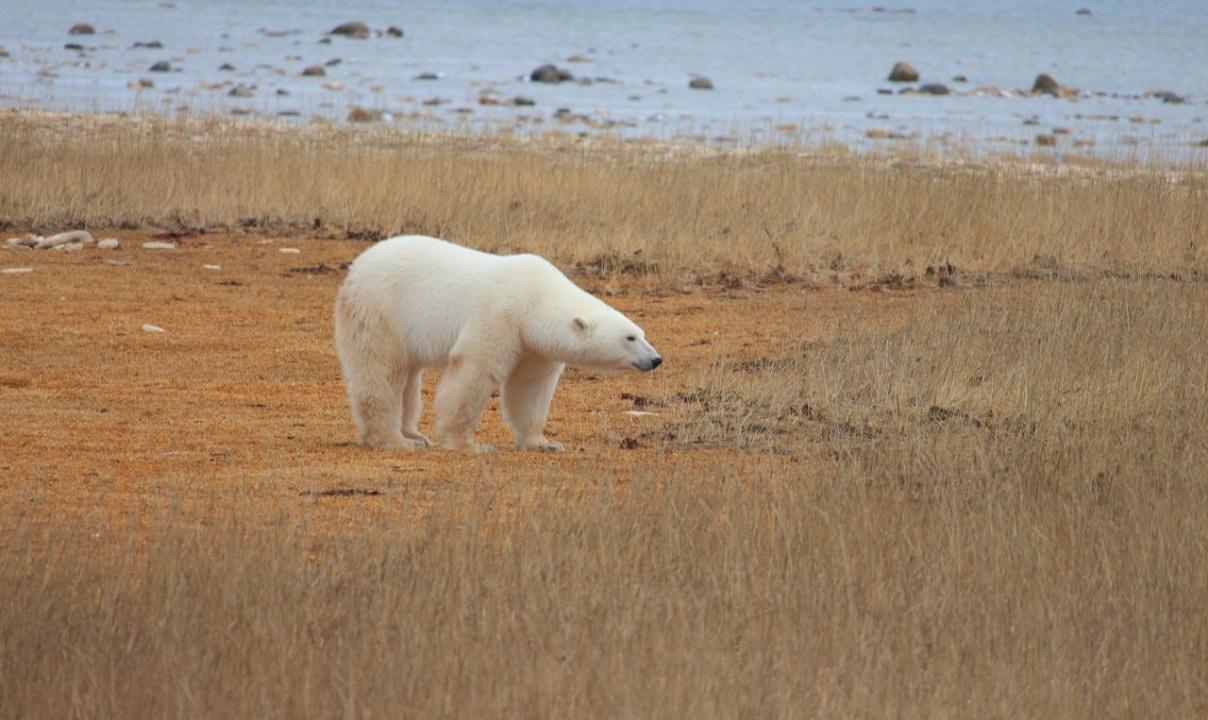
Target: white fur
x=414 y=302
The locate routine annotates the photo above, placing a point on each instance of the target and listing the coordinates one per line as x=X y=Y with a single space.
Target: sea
x=807 y=74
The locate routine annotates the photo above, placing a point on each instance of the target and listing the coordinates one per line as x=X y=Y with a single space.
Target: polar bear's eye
x=631 y=338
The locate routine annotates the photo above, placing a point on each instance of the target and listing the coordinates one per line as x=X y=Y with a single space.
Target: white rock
x=16 y=270
x=29 y=241
x=289 y=251
x=157 y=245
x=68 y=247
x=119 y=263
x=83 y=237
x=639 y=413
x=148 y=327
x=108 y=244
x=212 y=267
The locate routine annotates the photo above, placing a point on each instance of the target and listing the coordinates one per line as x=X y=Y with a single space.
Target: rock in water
x=314 y=71
x=903 y=72
x=1046 y=84
x=161 y=66
x=700 y=82
x=934 y=89
x=355 y=29
x=81 y=29
x=394 y=32
x=550 y=74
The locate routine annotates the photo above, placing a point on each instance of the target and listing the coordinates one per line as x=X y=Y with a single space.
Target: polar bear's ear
x=582 y=326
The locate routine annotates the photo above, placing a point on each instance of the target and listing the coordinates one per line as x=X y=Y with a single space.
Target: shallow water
x=782 y=71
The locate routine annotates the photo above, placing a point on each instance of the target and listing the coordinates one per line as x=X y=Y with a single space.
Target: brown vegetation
x=929 y=441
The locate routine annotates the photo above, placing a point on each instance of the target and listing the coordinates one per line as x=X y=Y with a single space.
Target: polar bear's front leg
x=526 y=397
x=464 y=390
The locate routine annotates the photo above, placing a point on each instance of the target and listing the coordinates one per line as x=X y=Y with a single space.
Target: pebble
x=148 y=327
x=289 y=251
x=156 y=245
x=108 y=244
x=16 y=270
x=211 y=267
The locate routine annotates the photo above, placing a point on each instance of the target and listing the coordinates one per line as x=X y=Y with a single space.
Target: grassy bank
x=759 y=214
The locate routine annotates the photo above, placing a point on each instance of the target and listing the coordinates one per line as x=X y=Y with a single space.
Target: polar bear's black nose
x=656 y=362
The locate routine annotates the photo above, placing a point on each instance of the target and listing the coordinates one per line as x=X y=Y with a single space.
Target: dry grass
x=976 y=501
x=762 y=214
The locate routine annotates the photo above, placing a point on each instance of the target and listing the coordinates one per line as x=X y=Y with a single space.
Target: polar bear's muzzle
x=648 y=364
x=650 y=361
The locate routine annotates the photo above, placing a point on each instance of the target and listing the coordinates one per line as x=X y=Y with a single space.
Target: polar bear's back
x=426 y=290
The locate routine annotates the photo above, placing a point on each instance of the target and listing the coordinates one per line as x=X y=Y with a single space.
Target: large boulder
x=354 y=29
x=550 y=74
x=1046 y=85
x=903 y=72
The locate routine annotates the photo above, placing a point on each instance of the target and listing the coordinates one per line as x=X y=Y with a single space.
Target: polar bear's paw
x=417 y=437
x=466 y=446
x=541 y=444
x=395 y=442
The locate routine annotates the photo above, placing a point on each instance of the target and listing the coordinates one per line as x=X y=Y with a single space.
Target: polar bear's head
x=610 y=341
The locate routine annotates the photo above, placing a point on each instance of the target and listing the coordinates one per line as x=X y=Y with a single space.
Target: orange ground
x=242 y=396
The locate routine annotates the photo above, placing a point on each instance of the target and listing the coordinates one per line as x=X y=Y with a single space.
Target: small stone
x=211 y=267
x=73 y=46
x=354 y=29
x=1045 y=84
x=161 y=66
x=226 y=67
x=394 y=31
x=933 y=89
x=81 y=29
x=521 y=101
x=314 y=71
x=700 y=82
x=640 y=413
x=289 y=251
x=16 y=270
x=959 y=78
x=108 y=244
x=903 y=72
x=158 y=245
x=427 y=76
x=149 y=328
x=550 y=74
x=333 y=62
x=1083 y=11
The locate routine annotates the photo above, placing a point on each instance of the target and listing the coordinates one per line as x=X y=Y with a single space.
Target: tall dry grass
x=643 y=208
x=1000 y=510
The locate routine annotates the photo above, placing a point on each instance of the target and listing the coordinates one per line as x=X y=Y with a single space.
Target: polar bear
x=413 y=302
